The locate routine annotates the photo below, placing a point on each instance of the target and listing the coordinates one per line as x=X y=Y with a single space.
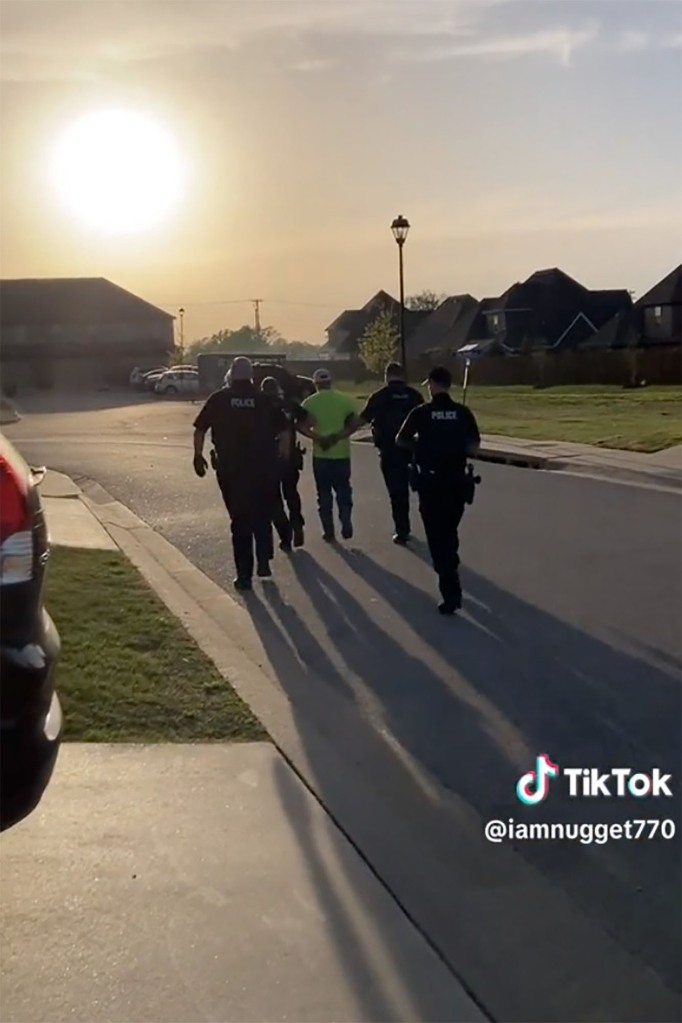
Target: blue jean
x=332 y=476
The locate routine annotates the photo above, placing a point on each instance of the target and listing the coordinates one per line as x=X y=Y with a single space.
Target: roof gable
x=666 y=292
x=66 y=300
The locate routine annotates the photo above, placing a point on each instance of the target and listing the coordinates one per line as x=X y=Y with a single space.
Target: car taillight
x=16 y=538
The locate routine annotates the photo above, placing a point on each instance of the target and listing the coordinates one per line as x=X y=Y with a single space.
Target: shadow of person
x=358 y=778
x=409 y=983
x=587 y=705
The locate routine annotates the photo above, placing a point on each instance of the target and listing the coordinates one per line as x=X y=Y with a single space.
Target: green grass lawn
x=128 y=671
x=647 y=419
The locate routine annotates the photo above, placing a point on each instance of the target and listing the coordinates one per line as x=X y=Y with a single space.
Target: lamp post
x=400 y=227
x=182 y=336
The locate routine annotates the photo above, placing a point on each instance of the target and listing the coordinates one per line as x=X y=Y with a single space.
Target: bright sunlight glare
x=118 y=172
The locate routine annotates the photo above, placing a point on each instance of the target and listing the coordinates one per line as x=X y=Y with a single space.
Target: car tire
x=170 y=390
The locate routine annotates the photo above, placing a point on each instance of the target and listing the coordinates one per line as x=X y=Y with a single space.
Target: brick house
x=77 y=333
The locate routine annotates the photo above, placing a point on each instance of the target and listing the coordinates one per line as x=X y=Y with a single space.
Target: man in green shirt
x=335 y=416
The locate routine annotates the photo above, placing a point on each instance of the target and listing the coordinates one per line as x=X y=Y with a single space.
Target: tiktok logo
x=533 y=787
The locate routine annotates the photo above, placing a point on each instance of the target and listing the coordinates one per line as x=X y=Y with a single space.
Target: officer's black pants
x=394 y=464
x=441 y=506
x=249 y=504
x=287 y=512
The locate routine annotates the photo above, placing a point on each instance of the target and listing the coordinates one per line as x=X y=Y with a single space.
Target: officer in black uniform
x=441 y=434
x=289 y=526
x=386 y=411
x=248 y=431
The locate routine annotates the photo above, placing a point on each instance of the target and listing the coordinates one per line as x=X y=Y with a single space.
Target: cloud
x=80 y=36
x=675 y=42
x=314 y=65
x=560 y=42
x=631 y=42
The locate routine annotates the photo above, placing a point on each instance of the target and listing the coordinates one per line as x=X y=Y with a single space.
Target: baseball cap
x=270 y=385
x=241 y=369
x=440 y=375
x=321 y=376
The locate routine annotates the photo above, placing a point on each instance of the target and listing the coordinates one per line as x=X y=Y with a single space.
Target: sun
x=118 y=171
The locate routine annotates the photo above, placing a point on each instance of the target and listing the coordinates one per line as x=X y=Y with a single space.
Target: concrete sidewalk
x=425 y=846
x=70 y=523
x=663 y=468
x=162 y=883
x=167 y=883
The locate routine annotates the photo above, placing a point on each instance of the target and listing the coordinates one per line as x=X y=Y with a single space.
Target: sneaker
x=263 y=570
x=402 y=539
x=285 y=545
x=329 y=537
x=242 y=583
x=347 y=532
x=298 y=537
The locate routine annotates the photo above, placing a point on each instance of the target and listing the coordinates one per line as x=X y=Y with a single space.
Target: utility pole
x=256 y=307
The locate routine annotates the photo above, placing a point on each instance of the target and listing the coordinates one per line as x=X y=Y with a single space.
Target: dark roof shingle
x=666 y=292
x=65 y=300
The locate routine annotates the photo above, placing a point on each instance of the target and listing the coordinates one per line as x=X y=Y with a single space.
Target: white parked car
x=178 y=381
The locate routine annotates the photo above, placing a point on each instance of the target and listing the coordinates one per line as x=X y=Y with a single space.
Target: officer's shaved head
x=394 y=371
x=241 y=369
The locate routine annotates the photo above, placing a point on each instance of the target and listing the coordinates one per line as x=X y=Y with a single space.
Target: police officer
x=248 y=431
x=289 y=526
x=441 y=434
x=386 y=411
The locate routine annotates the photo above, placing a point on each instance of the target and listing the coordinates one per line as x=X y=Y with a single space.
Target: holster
x=213 y=457
x=471 y=481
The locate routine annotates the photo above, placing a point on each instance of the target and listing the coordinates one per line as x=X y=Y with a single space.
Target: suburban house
x=77 y=332
x=345 y=332
x=654 y=320
x=548 y=311
x=447 y=328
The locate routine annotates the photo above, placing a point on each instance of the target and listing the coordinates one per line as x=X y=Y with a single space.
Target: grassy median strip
x=129 y=672
x=645 y=419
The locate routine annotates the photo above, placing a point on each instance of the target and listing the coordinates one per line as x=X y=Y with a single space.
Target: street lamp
x=400 y=227
x=182 y=336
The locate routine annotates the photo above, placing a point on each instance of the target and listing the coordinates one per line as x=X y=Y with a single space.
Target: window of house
x=658 y=313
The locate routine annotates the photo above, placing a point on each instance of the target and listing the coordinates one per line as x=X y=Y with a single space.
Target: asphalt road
x=570 y=643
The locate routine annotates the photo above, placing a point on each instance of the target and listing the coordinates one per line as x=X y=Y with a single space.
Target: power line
x=251 y=301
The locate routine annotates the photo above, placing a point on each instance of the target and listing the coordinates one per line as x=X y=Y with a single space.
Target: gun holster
x=214 y=459
x=471 y=481
x=297 y=459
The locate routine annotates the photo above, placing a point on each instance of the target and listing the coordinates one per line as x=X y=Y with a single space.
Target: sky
x=513 y=134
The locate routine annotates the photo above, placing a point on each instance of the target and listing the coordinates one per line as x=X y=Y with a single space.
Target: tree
x=379 y=342
x=425 y=300
x=246 y=340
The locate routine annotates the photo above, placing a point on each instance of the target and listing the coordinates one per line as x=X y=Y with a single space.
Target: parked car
x=30 y=712
x=151 y=378
x=138 y=377
x=178 y=381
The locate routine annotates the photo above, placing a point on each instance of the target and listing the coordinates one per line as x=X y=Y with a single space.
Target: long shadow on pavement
x=573 y=696
x=273 y=619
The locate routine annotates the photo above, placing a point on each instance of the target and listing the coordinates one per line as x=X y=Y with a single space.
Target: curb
x=381 y=799
x=665 y=479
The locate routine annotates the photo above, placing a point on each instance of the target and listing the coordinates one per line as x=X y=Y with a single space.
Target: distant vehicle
x=138 y=378
x=213 y=366
x=183 y=380
x=152 y=378
x=30 y=712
